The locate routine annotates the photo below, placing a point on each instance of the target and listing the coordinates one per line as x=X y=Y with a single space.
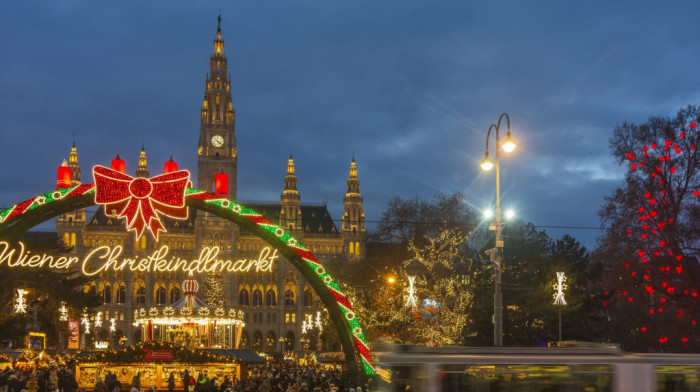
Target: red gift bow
x=138 y=199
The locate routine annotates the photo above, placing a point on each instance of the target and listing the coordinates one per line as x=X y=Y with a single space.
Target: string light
x=20 y=304
x=560 y=286
x=411 y=300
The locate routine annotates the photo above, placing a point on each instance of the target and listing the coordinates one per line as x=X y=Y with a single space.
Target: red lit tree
x=651 y=250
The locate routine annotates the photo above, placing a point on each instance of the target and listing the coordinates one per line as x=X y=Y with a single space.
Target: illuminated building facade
x=275 y=303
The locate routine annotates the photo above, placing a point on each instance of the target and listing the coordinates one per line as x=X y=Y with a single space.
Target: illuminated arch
x=29 y=213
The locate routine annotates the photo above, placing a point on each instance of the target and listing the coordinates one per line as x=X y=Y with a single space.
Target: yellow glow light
x=508 y=144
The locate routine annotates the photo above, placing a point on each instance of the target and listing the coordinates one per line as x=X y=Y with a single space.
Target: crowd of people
x=48 y=379
x=274 y=376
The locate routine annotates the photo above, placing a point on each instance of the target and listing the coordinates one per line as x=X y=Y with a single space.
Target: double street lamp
x=496 y=253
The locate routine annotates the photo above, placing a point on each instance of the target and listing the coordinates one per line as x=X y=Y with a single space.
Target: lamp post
x=391 y=280
x=497 y=252
x=560 y=286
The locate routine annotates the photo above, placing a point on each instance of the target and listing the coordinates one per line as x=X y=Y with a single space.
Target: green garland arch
x=21 y=217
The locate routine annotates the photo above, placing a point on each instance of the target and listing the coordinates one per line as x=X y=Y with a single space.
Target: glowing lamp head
x=221 y=184
x=510 y=214
x=487 y=163
x=63 y=176
x=118 y=164
x=488 y=214
x=391 y=280
x=170 y=166
x=508 y=144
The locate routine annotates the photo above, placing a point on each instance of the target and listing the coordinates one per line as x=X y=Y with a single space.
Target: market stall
x=154 y=361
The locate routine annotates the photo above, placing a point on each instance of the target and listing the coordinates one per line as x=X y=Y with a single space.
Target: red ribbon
x=138 y=199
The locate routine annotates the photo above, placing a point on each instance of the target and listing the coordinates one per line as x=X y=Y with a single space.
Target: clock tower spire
x=217 y=150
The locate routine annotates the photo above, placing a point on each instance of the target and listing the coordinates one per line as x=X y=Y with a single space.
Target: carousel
x=190 y=322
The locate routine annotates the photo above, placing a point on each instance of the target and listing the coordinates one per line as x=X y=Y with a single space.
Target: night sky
x=409 y=86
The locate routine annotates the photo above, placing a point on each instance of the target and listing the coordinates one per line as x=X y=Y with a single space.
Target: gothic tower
x=217 y=136
x=70 y=225
x=290 y=215
x=217 y=152
x=353 y=227
x=142 y=169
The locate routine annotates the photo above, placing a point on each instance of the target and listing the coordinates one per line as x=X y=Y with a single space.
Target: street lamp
x=497 y=252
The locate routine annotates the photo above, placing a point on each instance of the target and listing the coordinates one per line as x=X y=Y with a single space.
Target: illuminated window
x=107 y=294
x=257 y=297
x=160 y=295
x=174 y=295
x=72 y=239
x=257 y=341
x=290 y=295
x=140 y=293
x=143 y=242
x=243 y=297
x=121 y=294
x=351 y=249
x=270 y=298
x=308 y=297
x=66 y=239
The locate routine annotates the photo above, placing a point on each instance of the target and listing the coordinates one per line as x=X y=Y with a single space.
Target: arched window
x=308 y=297
x=93 y=289
x=257 y=298
x=160 y=295
x=174 y=295
x=140 y=294
x=107 y=294
x=244 y=341
x=121 y=294
x=72 y=239
x=289 y=295
x=257 y=339
x=270 y=298
x=244 y=297
x=270 y=341
x=289 y=340
x=66 y=239
x=351 y=248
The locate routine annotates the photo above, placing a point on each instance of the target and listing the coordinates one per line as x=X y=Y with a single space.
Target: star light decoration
x=85 y=321
x=63 y=312
x=112 y=325
x=560 y=286
x=20 y=303
x=661 y=259
x=411 y=299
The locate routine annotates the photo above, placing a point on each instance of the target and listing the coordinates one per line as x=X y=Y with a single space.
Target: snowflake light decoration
x=560 y=286
x=20 y=303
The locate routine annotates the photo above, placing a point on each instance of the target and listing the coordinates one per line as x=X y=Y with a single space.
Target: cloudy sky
x=409 y=86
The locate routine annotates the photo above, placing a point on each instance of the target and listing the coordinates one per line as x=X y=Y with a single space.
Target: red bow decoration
x=138 y=199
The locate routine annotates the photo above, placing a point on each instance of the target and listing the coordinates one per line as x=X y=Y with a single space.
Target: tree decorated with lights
x=442 y=275
x=214 y=291
x=653 y=246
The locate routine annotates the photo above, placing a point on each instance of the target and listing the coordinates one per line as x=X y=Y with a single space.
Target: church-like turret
x=217 y=151
x=353 y=226
x=142 y=169
x=290 y=215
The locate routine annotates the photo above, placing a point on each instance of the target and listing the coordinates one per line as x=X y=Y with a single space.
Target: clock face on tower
x=217 y=141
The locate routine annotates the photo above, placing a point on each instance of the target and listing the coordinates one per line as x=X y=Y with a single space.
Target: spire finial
x=73 y=139
x=143 y=144
x=218 y=27
x=353 y=155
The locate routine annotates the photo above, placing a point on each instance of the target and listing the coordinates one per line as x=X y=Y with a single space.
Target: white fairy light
x=411 y=300
x=112 y=325
x=20 y=304
x=560 y=286
x=63 y=312
x=98 y=319
x=318 y=321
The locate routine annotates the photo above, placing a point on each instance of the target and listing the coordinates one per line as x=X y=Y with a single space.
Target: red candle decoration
x=170 y=166
x=118 y=164
x=63 y=176
x=221 y=184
